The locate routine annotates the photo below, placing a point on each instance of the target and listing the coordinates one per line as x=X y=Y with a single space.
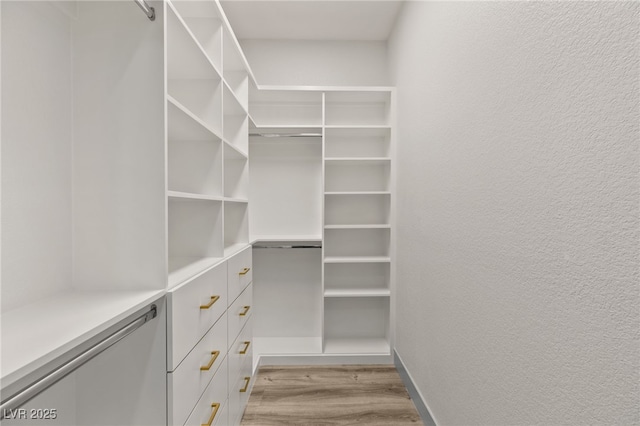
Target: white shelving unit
x=357 y=252
x=208 y=216
x=207 y=146
x=286 y=205
x=332 y=189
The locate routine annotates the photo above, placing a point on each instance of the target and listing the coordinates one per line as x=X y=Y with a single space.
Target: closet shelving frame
x=207 y=199
x=347 y=287
x=207 y=101
x=80 y=251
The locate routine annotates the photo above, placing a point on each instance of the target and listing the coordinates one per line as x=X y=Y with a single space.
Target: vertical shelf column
x=195 y=191
x=235 y=123
x=357 y=222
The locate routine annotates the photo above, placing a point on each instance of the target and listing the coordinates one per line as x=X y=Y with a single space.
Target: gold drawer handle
x=246 y=384
x=244 y=271
x=211 y=361
x=246 y=310
x=246 y=348
x=214 y=299
x=215 y=407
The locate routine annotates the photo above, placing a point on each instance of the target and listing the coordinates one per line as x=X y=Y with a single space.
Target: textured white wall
x=318 y=63
x=518 y=295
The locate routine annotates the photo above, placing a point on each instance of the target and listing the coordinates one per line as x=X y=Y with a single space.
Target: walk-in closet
x=203 y=200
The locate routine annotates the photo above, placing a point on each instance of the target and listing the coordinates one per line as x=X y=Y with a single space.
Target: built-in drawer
x=240 y=350
x=239 y=313
x=239 y=390
x=193 y=308
x=213 y=407
x=187 y=383
x=239 y=273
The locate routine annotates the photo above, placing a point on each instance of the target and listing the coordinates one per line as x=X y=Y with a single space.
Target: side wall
x=518 y=210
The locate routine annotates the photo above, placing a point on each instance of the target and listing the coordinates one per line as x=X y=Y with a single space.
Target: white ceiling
x=312 y=19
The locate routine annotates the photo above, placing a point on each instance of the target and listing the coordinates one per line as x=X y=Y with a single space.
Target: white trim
x=417 y=397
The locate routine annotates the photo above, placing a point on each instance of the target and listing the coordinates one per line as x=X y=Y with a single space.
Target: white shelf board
x=325 y=88
x=193 y=43
x=359 y=226
x=357 y=259
x=357 y=126
x=235 y=200
x=291 y=126
x=238 y=153
x=235 y=96
x=37 y=334
x=285 y=238
x=231 y=249
x=182 y=269
x=356 y=346
x=357 y=292
x=193 y=196
x=287 y=345
x=194 y=117
x=185 y=125
x=358 y=193
x=356 y=160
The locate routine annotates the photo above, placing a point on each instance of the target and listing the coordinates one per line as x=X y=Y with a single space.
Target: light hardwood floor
x=329 y=395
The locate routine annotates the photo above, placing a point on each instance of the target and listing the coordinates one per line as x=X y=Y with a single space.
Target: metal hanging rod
x=287 y=135
x=25 y=395
x=288 y=247
x=148 y=10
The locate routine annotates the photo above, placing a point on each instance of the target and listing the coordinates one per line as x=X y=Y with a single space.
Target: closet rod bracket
x=148 y=10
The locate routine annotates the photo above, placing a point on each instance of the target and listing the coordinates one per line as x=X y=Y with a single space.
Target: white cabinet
x=322 y=176
x=209 y=330
x=187 y=383
x=193 y=308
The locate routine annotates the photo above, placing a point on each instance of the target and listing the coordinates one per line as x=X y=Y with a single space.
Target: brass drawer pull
x=215 y=407
x=246 y=310
x=246 y=384
x=244 y=271
x=211 y=361
x=214 y=299
x=246 y=348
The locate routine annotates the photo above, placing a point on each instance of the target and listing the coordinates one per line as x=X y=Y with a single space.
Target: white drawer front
x=240 y=312
x=240 y=351
x=215 y=393
x=188 y=381
x=245 y=371
x=239 y=393
x=193 y=308
x=240 y=273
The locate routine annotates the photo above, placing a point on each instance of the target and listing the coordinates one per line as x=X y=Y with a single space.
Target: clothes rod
x=288 y=247
x=25 y=395
x=148 y=10
x=287 y=135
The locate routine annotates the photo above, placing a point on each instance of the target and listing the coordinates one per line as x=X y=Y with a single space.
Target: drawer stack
x=240 y=333
x=210 y=345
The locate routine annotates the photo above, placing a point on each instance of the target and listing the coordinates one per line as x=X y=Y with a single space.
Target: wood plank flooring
x=328 y=396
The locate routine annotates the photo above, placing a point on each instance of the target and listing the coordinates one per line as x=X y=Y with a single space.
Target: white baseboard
x=322 y=359
x=414 y=393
